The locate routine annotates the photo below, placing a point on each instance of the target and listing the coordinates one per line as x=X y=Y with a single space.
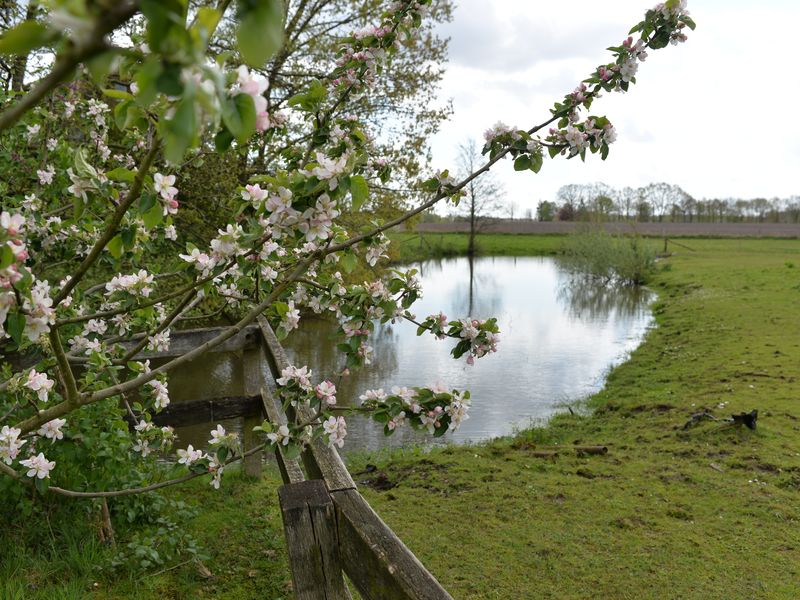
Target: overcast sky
x=715 y=115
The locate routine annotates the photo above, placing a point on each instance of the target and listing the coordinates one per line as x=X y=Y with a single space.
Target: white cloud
x=714 y=115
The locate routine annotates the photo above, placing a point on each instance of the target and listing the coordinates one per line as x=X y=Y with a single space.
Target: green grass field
x=410 y=247
x=712 y=512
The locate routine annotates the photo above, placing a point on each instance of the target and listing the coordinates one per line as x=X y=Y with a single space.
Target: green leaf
x=169 y=80
x=223 y=140
x=15 y=325
x=523 y=163
x=205 y=22
x=348 y=262
x=537 y=160
x=78 y=206
x=358 y=190
x=260 y=32
x=146 y=78
x=153 y=216
x=101 y=65
x=25 y=37
x=239 y=116
x=281 y=308
x=118 y=94
x=121 y=174
x=146 y=202
x=115 y=246
x=41 y=485
x=121 y=114
x=6 y=256
x=128 y=237
x=179 y=131
x=290 y=451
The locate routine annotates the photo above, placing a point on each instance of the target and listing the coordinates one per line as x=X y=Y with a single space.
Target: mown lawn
x=710 y=512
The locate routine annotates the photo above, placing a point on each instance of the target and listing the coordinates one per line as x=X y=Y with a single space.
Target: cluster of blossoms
x=224 y=247
x=478 y=337
x=434 y=408
x=365 y=49
x=11 y=443
x=40 y=384
x=36 y=314
x=164 y=186
x=225 y=445
x=150 y=438
x=137 y=284
x=336 y=430
x=500 y=129
x=596 y=133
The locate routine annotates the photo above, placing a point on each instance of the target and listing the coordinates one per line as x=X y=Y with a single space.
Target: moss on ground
x=710 y=512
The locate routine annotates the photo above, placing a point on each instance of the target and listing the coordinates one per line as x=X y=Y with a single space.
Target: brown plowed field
x=782 y=230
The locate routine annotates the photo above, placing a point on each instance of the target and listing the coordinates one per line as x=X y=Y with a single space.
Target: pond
x=559 y=338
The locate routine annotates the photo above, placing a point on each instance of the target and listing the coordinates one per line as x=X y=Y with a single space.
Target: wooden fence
x=330 y=529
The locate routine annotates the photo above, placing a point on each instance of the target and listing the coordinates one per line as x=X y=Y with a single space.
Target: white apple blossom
x=336 y=430
x=189 y=455
x=52 y=429
x=377 y=394
x=164 y=185
x=326 y=391
x=10 y=444
x=281 y=436
x=39 y=383
x=161 y=399
x=38 y=466
x=46 y=175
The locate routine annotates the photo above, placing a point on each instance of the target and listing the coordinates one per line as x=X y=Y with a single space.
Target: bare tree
x=482 y=195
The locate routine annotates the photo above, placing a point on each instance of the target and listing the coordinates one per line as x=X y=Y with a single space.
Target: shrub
x=620 y=259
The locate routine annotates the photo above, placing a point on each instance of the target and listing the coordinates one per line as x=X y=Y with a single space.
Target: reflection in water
x=558 y=338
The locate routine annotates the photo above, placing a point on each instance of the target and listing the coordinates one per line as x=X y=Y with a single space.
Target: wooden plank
x=289 y=468
x=181 y=342
x=212 y=409
x=375 y=559
x=251 y=370
x=310 y=529
x=320 y=460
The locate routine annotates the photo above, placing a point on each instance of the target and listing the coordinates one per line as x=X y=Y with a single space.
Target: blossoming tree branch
x=94 y=270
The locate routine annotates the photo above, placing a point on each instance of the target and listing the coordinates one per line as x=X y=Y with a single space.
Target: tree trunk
x=21 y=61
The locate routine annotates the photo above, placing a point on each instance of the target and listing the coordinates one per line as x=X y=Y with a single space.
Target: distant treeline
x=657 y=202
x=662 y=202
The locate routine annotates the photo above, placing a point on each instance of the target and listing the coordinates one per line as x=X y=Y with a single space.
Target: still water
x=558 y=340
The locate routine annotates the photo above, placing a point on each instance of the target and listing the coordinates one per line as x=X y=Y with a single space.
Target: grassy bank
x=709 y=512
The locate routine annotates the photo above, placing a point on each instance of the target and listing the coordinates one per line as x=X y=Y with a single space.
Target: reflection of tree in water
x=596 y=301
x=430 y=267
x=478 y=295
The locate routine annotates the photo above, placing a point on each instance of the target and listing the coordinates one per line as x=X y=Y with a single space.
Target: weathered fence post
x=253 y=381
x=309 y=523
